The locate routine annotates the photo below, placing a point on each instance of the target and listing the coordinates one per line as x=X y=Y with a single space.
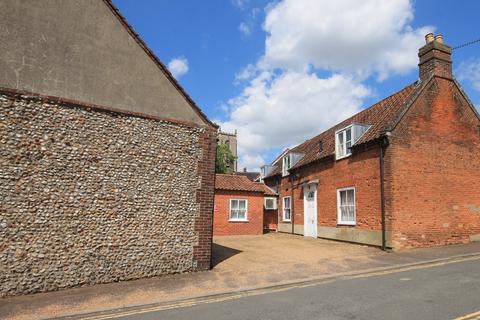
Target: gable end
x=157 y=61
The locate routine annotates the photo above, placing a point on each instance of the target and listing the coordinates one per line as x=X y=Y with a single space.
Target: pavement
x=241 y=264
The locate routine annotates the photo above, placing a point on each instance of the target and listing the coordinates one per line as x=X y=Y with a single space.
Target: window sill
x=289 y=221
x=343 y=157
x=237 y=220
x=346 y=224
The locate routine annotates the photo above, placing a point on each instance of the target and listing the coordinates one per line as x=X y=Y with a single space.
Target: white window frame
x=286 y=167
x=344 y=142
x=274 y=203
x=290 y=209
x=246 y=211
x=339 y=212
x=356 y=132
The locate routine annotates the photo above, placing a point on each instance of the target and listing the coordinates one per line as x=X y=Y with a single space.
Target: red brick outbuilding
x=239 y=206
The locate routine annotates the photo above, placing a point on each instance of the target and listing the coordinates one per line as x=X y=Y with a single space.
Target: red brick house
x=404 y=172
x=242 y=207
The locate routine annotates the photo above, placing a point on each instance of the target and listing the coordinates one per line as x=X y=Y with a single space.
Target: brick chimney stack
x=435 y=58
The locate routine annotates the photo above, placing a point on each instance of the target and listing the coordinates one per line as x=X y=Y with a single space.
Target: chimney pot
x=439 y=38
x=435 y=58
x=429 y=38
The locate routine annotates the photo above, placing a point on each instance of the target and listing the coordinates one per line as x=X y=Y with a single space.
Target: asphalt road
x=435 y=292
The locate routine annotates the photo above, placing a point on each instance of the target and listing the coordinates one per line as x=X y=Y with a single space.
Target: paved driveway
x=277 y=257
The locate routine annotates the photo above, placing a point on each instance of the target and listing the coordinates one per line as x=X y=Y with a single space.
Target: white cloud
x=251 y=162
x=470 y=71
x=246 y=73
x=363 y=37
x=244 y=28
x=178 y=66
x=285 y=101
x=240 y=3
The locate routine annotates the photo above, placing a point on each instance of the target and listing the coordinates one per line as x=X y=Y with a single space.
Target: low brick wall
x=92 y=197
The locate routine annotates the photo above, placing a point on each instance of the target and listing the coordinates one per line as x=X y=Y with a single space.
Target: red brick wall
x=221 y=224
x=361 y=170
x=205 y=196
x=270 y=219
x=433 y=170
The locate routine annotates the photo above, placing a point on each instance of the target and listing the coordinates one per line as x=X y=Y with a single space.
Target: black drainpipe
x=383 y=145
x=279 y=202
x=292 y=216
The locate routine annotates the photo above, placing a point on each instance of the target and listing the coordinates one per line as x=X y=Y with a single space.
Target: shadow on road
x=222 y=253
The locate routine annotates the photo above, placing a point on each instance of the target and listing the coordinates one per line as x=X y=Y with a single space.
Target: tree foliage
x=225 y=159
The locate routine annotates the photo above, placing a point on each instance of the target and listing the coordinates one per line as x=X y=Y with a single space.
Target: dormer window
x=289 y=161
x=265 y=171
x=344 y=143
x=346 y=138
x=287 y=164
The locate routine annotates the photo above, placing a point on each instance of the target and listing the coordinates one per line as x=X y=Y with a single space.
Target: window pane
x=343 y=213
x=242 y=204
x=347 y=205
x=341 y=147
x=233 y=214
x=287 y=214
x=351 y=213
x=343 y=198
x=340 y=144
x=270 y=203
x=349 y=134
x=241 y=214
x=234 y=204
x=351 y=197
x=349 y=148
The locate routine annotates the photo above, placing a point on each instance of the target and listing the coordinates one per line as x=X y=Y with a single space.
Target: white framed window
x=287 y=209
x=346 y=214
x=238 y=210
x=270 y=203
x=265 y=171
x=346 y=138
x=343 y=143
x=287 y=164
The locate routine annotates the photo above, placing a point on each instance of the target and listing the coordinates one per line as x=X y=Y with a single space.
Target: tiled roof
x=240 y=183
x=250 y=175
x=266 y=190
x=379 y=116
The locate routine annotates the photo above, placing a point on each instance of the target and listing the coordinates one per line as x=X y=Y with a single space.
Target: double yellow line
x=471 y=316
x=255 y=292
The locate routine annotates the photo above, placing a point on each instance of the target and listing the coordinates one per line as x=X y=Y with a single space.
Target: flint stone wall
x=93 y=197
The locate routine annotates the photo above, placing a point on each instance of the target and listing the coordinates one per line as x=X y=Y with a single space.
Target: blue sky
x=283 y=71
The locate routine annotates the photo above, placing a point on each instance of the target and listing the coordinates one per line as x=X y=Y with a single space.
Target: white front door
x=310 y=210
